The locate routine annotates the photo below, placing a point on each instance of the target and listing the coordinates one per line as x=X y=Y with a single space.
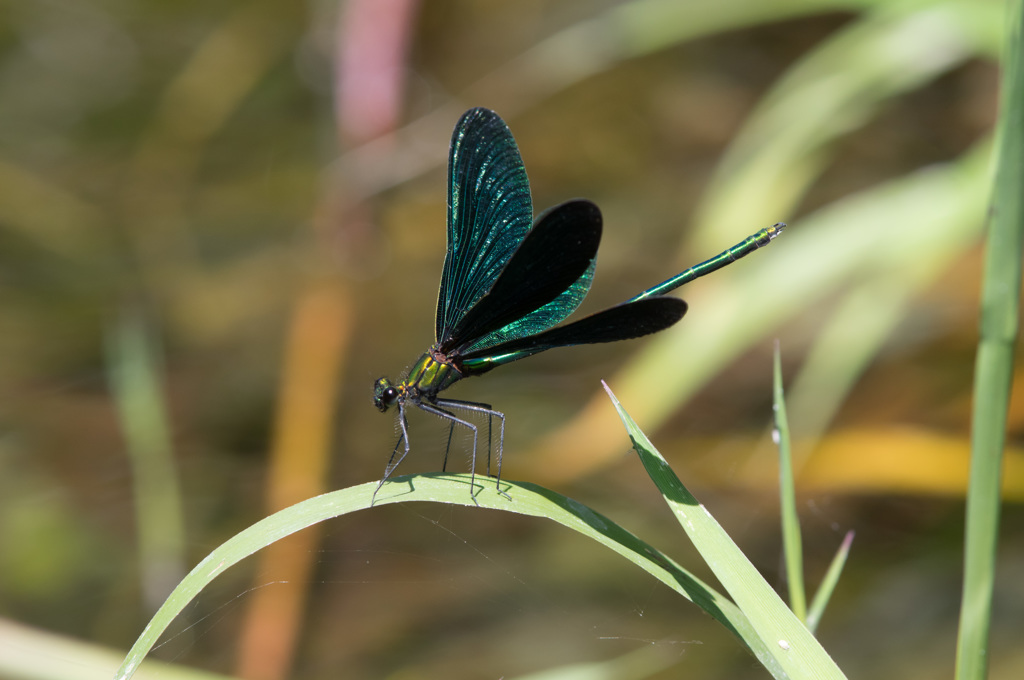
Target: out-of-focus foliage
x=189 y=166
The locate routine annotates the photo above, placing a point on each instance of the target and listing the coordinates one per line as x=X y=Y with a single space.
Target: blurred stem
x=315 y=353
x=134 y=370
x=1000 y=297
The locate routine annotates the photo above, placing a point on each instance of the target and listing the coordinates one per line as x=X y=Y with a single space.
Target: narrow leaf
x=828 y=584
x=790 y=644
x=526 y=499
x=1000 y=301
x=791 y=541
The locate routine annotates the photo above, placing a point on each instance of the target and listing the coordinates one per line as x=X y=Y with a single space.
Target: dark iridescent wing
x=489 y=213
x=543 y=282
x=622 y=322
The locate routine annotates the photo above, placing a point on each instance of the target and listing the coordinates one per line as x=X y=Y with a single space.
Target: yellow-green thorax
x=432 y=373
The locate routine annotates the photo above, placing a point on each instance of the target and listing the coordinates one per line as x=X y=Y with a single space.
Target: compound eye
x=384 y=394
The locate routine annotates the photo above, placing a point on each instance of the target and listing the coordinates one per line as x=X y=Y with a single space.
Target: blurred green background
x=221 y=221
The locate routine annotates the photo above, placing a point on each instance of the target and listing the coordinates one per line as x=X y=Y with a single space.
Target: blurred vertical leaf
x=135 y=370
x=1000 y=304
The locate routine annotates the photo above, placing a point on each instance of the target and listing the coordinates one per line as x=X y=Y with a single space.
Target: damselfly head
x=384 y=394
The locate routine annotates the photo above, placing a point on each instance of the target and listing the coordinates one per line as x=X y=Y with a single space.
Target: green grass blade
x=526 y=499
x=1000 y=300
x=828 y=584
x=791 y=541
x=788 y=641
